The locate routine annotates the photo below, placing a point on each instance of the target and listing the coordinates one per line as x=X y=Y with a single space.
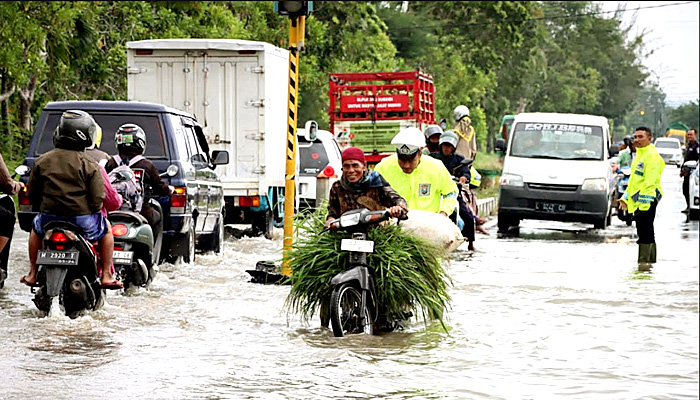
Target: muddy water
x=559 y=311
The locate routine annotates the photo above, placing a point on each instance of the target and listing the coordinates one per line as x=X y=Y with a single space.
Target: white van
x=556 y=167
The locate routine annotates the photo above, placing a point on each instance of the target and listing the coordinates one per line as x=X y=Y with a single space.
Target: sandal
x=114 y=285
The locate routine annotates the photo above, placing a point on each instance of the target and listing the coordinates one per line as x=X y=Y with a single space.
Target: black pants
x=153 y=217
x=686 y=189
x=645 y=224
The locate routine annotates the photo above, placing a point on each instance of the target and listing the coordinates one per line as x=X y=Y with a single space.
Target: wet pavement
x=558 y=311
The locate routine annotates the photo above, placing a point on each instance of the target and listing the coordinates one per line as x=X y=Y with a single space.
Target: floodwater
x=560 y=311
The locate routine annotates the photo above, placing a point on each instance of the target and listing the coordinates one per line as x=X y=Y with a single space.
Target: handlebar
x=360 y=217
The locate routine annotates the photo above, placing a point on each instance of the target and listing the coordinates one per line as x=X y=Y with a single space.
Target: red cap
x=353 y=153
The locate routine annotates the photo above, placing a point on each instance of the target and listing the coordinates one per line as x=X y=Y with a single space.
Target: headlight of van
x=511 y=180
x=597 y=184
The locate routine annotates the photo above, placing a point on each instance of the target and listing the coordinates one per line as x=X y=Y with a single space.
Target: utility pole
x=297 y=12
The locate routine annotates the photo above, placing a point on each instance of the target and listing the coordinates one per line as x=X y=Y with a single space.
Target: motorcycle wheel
x=346 y=304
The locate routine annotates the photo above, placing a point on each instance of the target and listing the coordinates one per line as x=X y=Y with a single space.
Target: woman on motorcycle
x=358 y=187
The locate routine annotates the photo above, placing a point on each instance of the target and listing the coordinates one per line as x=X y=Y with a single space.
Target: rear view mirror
x=219 y=157
x=310 y=131
x=500 y=145
x=614 y=150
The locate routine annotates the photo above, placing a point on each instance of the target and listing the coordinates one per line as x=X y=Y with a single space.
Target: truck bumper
x=553 y=205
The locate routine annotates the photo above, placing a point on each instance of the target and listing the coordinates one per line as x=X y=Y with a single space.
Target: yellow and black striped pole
x=296 y=44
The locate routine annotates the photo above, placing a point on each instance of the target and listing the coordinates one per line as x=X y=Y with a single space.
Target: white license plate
x=364 y=246
x=122 y=257
x=53 y=257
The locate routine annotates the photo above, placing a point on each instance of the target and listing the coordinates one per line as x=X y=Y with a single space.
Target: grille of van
x=549 y=186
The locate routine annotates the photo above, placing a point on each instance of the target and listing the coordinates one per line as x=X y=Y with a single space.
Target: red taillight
x=249 y=201
x=119 y=230
x=328 y=172
x=22 y=197
x=58 y=237
x=178 y=198
x=118 y=248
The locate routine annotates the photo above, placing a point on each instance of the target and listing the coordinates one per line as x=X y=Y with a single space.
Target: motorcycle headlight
x=511 y=180
x=596 y=184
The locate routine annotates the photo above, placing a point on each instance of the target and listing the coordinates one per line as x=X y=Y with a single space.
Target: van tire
x=505 y=221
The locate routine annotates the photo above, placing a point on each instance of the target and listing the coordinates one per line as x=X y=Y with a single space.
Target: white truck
x=237 y=90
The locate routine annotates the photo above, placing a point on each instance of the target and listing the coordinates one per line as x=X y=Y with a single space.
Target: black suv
x=193 y=213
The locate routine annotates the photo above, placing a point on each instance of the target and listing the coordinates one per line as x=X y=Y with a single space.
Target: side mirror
x=219 y=157
x=310 y=131
x=500 y=145
x=614 y=150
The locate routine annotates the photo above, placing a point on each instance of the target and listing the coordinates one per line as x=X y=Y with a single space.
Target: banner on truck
x=382 y=103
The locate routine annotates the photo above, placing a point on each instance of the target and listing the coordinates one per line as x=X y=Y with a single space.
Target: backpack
x=125 y=183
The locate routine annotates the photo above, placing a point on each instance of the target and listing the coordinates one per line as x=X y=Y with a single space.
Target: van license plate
x=554 y=208
x=364 y=246
x=122 y=257
x=54 y=257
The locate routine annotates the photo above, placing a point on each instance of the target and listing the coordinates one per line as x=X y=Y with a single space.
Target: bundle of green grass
x=408 y=270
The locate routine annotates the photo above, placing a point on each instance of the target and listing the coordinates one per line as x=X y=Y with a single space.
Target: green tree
x=688 y=113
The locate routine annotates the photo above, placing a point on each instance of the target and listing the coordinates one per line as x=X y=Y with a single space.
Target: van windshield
x=155 y=147
x=668 y=144
x=557 y=141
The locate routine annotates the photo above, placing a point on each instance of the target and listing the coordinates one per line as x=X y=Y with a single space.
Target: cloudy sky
x=672 y=33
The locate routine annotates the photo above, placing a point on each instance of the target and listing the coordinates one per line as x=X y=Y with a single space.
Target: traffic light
x=294 y=8
x=641 y=113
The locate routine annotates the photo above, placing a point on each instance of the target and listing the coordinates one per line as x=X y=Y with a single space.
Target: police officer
x=643 y=194
x=691 y=153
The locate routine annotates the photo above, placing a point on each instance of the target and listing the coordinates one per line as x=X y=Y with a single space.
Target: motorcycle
x=67 y=268
x=354 y=306
x=136 y=249
x=623 y=178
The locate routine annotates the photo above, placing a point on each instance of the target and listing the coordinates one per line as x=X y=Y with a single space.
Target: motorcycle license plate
x=122 y=257
x=364 y=246
x=554 y=208
x=56 y=257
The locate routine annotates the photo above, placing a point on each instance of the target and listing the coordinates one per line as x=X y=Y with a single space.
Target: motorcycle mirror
x=22 y=170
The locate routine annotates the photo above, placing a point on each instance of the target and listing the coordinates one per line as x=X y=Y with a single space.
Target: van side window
x=196 y=153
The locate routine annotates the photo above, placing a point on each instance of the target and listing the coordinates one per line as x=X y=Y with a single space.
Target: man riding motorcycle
x=66 y=185
x=131 y=145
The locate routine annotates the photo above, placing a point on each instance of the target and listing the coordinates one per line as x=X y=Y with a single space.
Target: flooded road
x=560 y=311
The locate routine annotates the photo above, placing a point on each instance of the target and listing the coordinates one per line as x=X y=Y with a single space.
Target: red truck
x=368 y=109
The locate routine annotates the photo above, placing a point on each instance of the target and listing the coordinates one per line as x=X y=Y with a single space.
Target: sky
x=672 y=33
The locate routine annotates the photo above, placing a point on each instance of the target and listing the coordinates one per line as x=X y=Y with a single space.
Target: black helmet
x=75 y=130
x=130 y=138
x=627 y=140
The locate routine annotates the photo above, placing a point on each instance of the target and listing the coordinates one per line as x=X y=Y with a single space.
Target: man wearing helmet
x=422 y=180
x=131 y=145
x=432 y=138
x=66 y=184
x=626 y=155
x=466 y=147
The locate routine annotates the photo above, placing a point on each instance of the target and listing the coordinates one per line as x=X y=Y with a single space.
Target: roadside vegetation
x=497 y=57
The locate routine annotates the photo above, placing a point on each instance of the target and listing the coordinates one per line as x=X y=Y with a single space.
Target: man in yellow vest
x=643 y=194
x=422 y=180
x=466 y=147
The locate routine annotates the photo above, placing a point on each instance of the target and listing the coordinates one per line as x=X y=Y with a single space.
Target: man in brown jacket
x=66 y=184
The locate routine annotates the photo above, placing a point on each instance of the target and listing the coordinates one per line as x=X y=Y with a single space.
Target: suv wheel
x=218 y=236
x=189 y=256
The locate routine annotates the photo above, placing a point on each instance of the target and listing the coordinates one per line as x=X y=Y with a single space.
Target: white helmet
x=408 y=141
x=449 y=137
x=461 y=112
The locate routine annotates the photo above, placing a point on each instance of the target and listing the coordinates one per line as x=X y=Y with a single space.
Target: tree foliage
x=496 y=57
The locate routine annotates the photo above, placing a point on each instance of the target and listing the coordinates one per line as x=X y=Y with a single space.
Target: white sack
x=433 y=227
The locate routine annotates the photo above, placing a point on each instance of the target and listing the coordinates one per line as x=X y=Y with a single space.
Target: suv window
x=312 y=157
x=668 y=144
x=155 y=146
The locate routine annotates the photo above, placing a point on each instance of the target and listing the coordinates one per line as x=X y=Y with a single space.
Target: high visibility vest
x=645 y=179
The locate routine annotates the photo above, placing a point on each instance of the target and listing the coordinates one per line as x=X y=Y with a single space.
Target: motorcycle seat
x=128 y=215
x=64 y=225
